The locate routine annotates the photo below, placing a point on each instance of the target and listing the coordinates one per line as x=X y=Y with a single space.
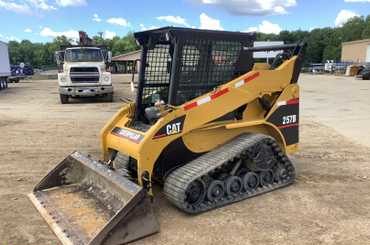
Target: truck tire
x=2 y=84
x=63 y=98
x=109 y=97
x=6 y=83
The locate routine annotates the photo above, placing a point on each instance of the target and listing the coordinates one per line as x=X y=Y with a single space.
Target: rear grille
x=84 y=74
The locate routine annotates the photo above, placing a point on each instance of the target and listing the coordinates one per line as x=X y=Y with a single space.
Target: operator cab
x=180 y=64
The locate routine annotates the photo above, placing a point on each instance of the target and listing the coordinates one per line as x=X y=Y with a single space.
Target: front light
x=63 y=79
x=106 y=78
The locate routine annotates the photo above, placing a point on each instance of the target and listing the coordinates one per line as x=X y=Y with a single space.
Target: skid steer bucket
x=84 y=202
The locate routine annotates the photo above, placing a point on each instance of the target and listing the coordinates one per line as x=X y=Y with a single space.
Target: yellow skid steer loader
x=210 y=124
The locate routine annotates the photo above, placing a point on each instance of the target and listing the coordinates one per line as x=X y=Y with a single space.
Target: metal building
x=356 y=51
x=126 y=63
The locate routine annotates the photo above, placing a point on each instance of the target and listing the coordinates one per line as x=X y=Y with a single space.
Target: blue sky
x=41 y=20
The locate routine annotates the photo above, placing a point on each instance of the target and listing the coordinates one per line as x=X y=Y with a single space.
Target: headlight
x=62 y=79
x=106 y=78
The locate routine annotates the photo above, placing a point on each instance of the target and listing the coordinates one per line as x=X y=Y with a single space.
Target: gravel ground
x=328 y=204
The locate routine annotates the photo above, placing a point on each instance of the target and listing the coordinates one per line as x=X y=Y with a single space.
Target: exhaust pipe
x=86 y=203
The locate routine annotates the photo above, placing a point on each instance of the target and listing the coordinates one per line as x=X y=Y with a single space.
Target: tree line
x=325 y=43
x=41 y=55
x=322 y=43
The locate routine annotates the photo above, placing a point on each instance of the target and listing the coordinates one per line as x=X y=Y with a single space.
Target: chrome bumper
x=87 y=91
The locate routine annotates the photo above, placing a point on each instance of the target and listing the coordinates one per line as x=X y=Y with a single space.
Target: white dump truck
x=4 y=66
x=83 y=71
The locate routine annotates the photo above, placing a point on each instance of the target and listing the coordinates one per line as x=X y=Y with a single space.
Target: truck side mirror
x=59 y=58
x=109 y=57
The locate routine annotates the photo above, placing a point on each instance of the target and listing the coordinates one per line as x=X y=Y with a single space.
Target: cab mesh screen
x=157 y=74
x=204 y=65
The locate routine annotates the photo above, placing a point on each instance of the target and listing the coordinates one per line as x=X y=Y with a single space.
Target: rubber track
x=121 y=164
x=177 y=182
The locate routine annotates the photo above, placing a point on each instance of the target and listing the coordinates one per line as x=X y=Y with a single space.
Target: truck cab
x=83 y=72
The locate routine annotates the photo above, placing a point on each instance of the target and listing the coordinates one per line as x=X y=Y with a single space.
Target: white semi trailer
x=4 y=65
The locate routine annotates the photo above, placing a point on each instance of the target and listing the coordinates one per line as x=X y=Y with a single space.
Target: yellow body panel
x=200 y=133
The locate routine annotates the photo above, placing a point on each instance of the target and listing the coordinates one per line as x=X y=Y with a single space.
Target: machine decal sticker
x=128 y=134
x=219 y=93
x=288 y=102
x=246 y=80
x=174 y=127
x=206 y=99
x=286 y=118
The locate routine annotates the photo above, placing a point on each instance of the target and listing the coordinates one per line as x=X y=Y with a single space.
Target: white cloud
x=28 y=30
x=26 y=6
x=253 y=7
x=21 y=8
x=178 y=20
x=118 y=21
x=145 y=28
x=266 y=27
x=252 y=29
x=357 y=1
x=207 y=22
x=12 y=38
x=71 y=3
x=344 y=16
x=48 y=32
x=109 y=34
x=41 y=4
x=96 y=18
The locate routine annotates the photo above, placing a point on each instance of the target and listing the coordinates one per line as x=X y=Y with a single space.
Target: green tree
x=366 y=31
x=353 y=29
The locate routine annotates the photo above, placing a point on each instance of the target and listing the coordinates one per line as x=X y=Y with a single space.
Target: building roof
x=131 y=56
x=357 y=42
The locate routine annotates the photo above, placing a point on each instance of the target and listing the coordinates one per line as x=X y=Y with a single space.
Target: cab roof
x=84 y=47
x=171 y=34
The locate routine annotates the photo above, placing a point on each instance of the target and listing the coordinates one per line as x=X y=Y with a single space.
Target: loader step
x=249 y=165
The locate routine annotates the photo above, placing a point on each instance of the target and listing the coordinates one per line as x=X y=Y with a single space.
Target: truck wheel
x=1 y=84
x=109 y=97
x=63 y=98
x=6 y=83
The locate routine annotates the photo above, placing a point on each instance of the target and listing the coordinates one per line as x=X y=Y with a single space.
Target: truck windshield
x=83 y=55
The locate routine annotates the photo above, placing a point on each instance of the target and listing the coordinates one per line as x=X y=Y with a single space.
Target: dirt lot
x=328 y=204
